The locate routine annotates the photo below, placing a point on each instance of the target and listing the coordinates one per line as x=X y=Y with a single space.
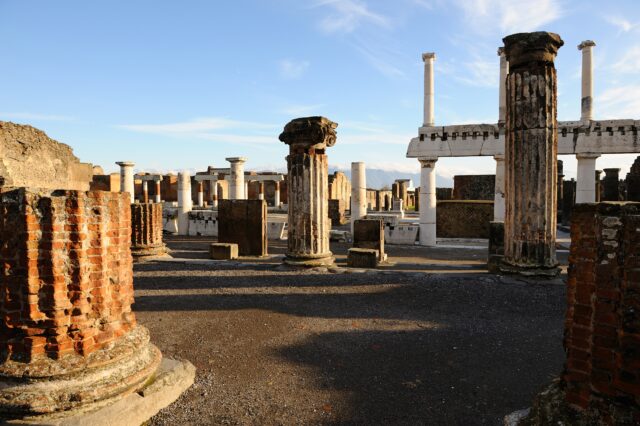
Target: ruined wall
x=602 y=326
x=244 y=222
x=444 y=194
x=632 y=182
x=102 y=182
x=337 y=212
x=169 y=188
x=463 y=218
x=67 y=283
x=474 y=187
x=29 y=158
x=340 y=187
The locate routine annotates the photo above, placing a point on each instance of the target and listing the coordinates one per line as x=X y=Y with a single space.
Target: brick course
x=67 y=283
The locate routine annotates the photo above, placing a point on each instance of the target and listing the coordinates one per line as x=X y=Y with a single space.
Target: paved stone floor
x=431 y=339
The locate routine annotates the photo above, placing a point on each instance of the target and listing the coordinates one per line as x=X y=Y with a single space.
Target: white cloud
x=623 y=25
x=36 y=117
x=348 y=15
x=630 y=62
x=291 y=69
x=619 y=102
x=511 y=16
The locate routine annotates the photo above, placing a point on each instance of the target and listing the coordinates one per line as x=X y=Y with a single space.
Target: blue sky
x=183 y=84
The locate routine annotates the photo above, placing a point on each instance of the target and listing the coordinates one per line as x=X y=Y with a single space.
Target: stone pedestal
x=307 y=180
x=531 y=154
x=146 y=231
x=68 y=338
x=369 y=234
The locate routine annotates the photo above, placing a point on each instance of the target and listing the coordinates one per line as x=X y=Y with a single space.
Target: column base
x=310 y=261
x=529 y=270
x=141 y=253
x=52 y=388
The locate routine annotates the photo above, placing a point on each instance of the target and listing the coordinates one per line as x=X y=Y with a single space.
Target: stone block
x=223 y=251
x=463 y=219
x=369 y=234
x=401 y=234
x=362 y=258
x=244 y=222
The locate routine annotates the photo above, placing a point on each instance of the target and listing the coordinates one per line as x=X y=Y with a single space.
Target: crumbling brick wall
x=66 y=282
x=602 y=327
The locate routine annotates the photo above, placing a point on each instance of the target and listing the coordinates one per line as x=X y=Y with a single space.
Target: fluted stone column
x=504 y=70
x=531 y=148
x=185 y=203
x=427 y=235
x=146 y=231
x=358 y=192
x=236 y=182
x=308 y=186
x=586 y=110
x=428 y=59
x=498 y=200
x=585 y=179
x=126 y=178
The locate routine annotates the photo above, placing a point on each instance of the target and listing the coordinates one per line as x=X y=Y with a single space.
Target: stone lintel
x=526 y=48
x=154 y=178
x=310 y=132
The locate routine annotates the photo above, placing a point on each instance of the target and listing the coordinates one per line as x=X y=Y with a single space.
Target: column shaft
x=498 y=200
x=586 y=179
x=428 y=59
x=427 y=201
x=358 y=192
x=185 y=203
x=126 y=178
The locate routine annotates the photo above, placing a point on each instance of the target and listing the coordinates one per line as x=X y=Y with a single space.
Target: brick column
x=307 y=182
x=530 y=154
x=68 y=336
x=146 y=230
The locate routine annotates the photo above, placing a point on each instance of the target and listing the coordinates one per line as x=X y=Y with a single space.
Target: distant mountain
x=378 y=178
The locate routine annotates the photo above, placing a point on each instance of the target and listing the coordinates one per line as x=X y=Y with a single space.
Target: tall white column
x=200 y=194
x=427 y=201
x=185 y=203
x=358 y=192
x=246 y=190
x=276 y=195
x=504 y=70
x=126 y=178
x=236 y=184
x=586 y=179
x=498 y=200
x=428 y=59
x=586 y=110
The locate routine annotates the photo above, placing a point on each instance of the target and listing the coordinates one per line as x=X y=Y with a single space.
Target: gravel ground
x=442 y=345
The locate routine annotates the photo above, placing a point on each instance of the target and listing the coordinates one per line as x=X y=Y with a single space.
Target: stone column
x=611 y=185
x=560 y=190
x=307 y=182
x=260 y=190
x=598 y=186
x=158 y=192
x=504 y=70
x=185 y=203
x=428 y=59
x=358 y=192
x=237 y=190
x=246 y=189
x=276 y=195
x=126 y=178
x=145 y=191
x=498 y=200
x=427 y=201
x=587 y=80
x=200 y=194
x=585 y=180
x=213 y=188
x=146 y=231
x=531 y=148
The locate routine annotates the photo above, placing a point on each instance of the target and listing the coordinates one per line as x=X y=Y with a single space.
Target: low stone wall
x=463 y=219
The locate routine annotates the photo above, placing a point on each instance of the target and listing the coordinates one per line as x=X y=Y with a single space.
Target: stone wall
x=474 y=187
x=29 y=158
x=463 y=219
x=632 y=181
x=67 y=272
x=602 y=327
x=337 y=212
x=444 y=194
x=102 y=182
x=244 y=222
x=340 y=188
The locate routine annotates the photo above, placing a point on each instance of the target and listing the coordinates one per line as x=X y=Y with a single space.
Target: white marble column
x=185 y=203
x=126 y=178
x=276 y=195
x=236 y=183
x=428 y=59
x=586 y=179
x=498 y=200
x=427 y=201
x=158 y=192
x=358 y=192
x=504 y=70
x=200 y=194
x=586 y=110
x=246 y=190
